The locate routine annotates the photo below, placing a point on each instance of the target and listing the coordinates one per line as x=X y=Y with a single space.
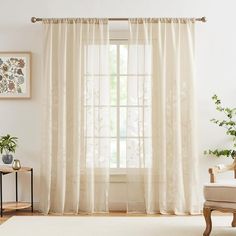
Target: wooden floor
x=8 y=215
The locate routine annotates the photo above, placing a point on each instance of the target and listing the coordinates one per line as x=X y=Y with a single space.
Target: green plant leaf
x=229 y=123
x=8 y=143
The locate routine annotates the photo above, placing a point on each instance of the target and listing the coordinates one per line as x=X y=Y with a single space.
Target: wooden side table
x=4 y=170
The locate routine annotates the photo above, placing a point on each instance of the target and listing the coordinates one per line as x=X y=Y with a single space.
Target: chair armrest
x=220 y=169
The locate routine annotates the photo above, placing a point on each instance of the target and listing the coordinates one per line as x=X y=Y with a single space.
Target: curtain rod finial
x=204 y=19
x=33 y=19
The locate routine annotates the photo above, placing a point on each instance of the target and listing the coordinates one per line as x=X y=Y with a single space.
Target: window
x=118 y=93
x=109 y=101
x=131 y=139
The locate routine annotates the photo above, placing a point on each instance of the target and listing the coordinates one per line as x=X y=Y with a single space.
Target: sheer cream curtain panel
x=161 y=154
x=162 y=159
x=75 y=162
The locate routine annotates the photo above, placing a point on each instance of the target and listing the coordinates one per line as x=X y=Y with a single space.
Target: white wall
x=215 y=61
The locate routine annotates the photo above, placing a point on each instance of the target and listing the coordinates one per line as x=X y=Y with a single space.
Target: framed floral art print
x=15 y=71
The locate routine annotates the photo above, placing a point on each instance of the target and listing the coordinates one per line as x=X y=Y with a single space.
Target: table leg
x=16 y=187
x=32 y=191
x=1 y=192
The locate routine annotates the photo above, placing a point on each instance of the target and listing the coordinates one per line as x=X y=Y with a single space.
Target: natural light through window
x=122 y=108
x=118 y=76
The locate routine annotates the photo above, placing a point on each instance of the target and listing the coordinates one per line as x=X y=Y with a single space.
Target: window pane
x=113 y=59
x=113 y=90
x=123 y=59
x=113 y=161
x=133 y=125
x=122 y=153
x=94 y=128
x=123 y=90
x=134 y=153
x=132 y=90
x=97 y=151
x=123 y=121
x=97 y=91
x=113 y=115
x=101 y=90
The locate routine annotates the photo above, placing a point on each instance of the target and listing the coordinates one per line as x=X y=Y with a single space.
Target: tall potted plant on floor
x=8 y=146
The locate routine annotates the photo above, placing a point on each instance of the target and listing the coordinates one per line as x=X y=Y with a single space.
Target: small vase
x=7 y=158
x=16 y=165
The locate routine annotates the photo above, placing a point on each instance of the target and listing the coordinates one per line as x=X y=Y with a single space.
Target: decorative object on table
x=229 y=123
x=16 y=164
x=15 y=74
x=8 y=145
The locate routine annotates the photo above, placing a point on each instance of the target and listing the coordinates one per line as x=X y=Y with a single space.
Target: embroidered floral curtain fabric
x=161 y=156
x=75 y=165
x=161 y=58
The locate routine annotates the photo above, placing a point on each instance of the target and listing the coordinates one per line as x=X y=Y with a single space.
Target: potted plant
x=8 y=145
x=229 y=124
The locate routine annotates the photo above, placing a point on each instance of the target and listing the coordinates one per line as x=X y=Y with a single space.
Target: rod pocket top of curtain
x=162 y=20
x=73 y=20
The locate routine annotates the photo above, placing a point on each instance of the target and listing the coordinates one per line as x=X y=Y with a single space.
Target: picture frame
x=15 y=75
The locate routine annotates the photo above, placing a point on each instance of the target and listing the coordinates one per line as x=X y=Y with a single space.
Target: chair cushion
x=224 y=205
x=224 y=191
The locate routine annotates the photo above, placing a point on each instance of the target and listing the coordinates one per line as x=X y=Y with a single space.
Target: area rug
x=114 y=226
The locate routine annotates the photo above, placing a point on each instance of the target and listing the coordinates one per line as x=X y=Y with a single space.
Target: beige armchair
x=220 y=195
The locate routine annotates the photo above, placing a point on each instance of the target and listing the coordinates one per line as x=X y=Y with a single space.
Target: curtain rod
x=35 y=19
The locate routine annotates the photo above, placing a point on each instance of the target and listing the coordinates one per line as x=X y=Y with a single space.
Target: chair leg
x=234 y=220
x=207 y=214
